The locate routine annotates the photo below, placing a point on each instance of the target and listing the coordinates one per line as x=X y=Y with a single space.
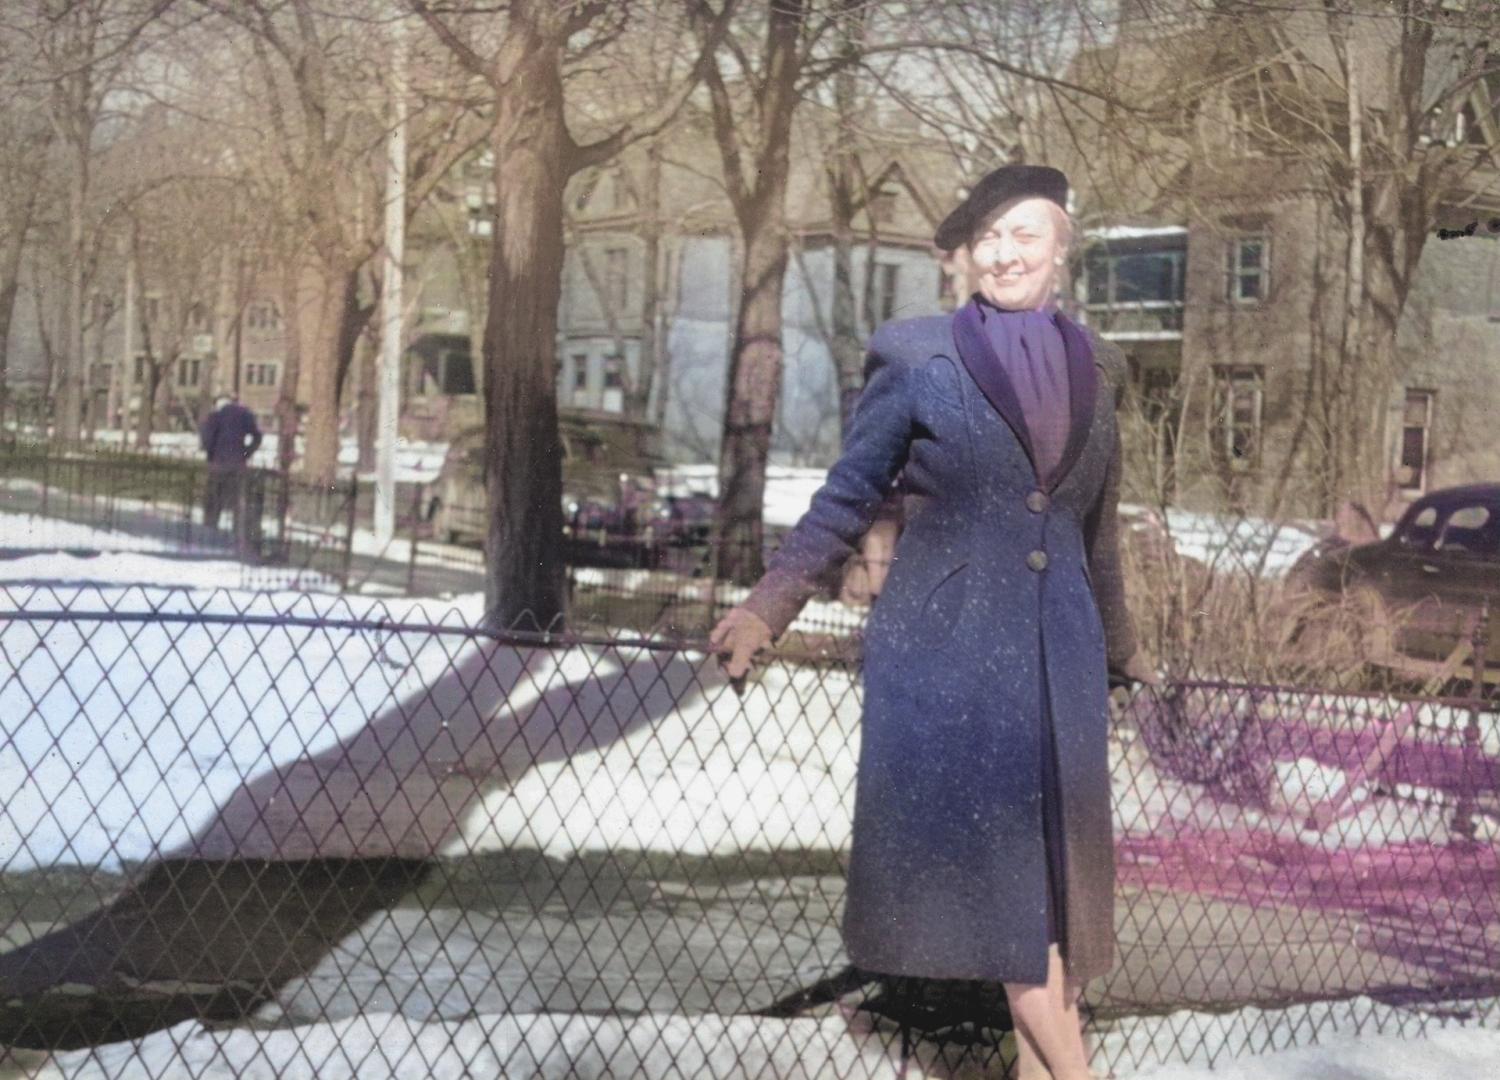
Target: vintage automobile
x=607 y=464
x=1425 y=583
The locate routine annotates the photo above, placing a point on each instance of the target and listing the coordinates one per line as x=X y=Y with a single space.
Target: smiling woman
x=981 y=844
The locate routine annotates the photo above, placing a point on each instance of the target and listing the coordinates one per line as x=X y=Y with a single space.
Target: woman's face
x=1017 y=251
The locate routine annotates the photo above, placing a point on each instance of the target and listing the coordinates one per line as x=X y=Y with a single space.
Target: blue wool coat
x=995 y=605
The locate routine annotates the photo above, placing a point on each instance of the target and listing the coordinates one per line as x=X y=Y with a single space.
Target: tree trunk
x=70 y=373
x=754 y=384
x=334 y=331
x=368 y=403
x=845 y=345
x=8 y=289
x=755 y=359
x=639 y=403
x=286 y=400
x=12 y=246
x=523 y=460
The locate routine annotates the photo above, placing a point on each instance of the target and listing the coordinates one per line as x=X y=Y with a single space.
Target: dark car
x=1431 y=576
x=684 y=520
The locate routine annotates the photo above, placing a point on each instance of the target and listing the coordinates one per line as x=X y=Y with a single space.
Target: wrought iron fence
x=341 y=837
x=285 y=531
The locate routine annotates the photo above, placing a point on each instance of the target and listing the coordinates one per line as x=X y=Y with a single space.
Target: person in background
x=229 y=436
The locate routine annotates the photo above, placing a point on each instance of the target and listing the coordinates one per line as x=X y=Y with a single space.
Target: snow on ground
x=30 y=531
x=1228 y=543
x=590 y=748
x=1358 y=1039
x=416 y=461
x=117 y=568
x=606 y=748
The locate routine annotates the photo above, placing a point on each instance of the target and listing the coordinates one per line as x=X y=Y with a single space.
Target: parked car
x=456 y=499
x=1427 y=580
x=607 y=459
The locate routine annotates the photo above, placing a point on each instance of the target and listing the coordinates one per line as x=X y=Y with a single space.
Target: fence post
x=349 y=533
x=1463 y=814
x=416 y=534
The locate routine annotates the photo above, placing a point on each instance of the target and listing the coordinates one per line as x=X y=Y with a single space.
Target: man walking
x=229 y=437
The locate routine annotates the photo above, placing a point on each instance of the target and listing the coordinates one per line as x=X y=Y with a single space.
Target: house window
x=1416 y=427
x=1239 y=394
x=614 y=279
x=250 y=373
x=887 y=285
x=1249 y=269
x=187 y=373
x=580 y=374
x=140 y=369
x=614 y=384
x=263 y=315
x=1143 y=277
x=1466 y=126
x=882 y=206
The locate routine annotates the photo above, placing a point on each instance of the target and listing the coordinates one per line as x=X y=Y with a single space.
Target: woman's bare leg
x=1050 y=1026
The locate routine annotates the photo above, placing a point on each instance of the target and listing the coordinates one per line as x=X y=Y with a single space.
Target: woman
x=982 y=844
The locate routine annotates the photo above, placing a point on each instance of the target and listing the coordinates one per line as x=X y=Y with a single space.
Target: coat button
x=1036 y=501
x=1037 y=560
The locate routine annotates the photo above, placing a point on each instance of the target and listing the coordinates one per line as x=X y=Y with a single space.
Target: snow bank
x=1228 y=543
x=192 y=732
x=1359 y=1039
x=538 y=1046
x=1356 y=1039
x=32 y=531
x=116 y=568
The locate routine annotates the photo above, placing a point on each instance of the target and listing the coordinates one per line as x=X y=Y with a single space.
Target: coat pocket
x=938 y=618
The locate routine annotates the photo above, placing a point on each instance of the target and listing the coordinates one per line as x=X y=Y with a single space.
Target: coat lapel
x=1083 y=388
x=988 y=372
x=978 y=356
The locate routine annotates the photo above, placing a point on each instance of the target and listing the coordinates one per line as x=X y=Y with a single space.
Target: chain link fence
x=250 y=835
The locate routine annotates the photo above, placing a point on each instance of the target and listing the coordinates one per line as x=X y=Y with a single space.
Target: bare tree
x=525 y=63
x=324 y=129
x=25 y=141
x=81 y=51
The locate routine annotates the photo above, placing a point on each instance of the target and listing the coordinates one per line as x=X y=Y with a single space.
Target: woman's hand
x=1141 y=668
x=866 y=574
x=739 y=636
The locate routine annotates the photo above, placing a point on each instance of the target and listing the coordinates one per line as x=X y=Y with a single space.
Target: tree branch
x=587 y=155
x=462 y=51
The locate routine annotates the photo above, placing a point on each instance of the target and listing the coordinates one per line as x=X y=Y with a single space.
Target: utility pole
x=390 y=297
x=124 y=374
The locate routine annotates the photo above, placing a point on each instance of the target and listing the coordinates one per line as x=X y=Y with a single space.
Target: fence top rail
x=526 y=638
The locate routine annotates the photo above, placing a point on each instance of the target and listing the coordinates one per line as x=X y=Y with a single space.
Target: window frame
x=1424 y=468
x=1229 y=381
x=1236 y=273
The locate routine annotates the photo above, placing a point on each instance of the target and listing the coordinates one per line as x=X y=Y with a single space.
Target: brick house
x=1230 y=278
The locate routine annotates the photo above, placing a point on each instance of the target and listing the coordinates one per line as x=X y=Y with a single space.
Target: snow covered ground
x=1355 y=1040
x=33 y=531
x=1230 y=544
x=595 y=749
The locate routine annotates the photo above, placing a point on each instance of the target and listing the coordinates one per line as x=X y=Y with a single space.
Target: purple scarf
x=1031 y=348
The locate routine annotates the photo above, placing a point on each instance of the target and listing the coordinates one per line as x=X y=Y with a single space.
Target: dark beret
x=1006 y=182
